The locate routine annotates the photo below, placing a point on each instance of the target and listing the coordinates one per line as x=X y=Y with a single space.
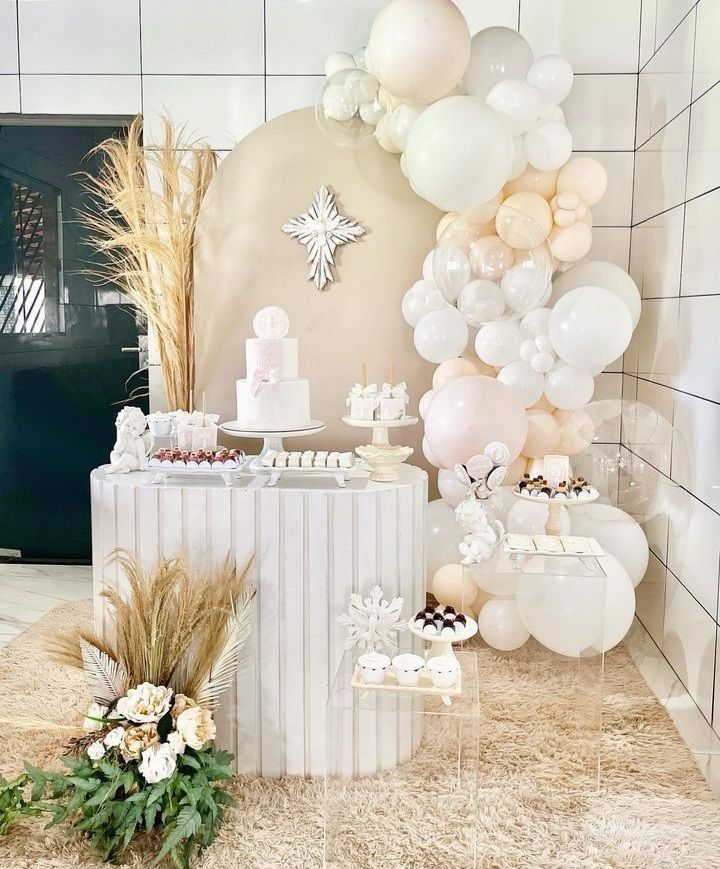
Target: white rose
x=145 y=704
x=158 y=763
x=95 y=711
x=196 y=726
x=96 y=750
x=115 y=737
x=497 y=452
x=176 y=742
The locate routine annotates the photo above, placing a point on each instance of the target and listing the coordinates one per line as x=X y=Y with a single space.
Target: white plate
x=380 y=423
x=233 y=428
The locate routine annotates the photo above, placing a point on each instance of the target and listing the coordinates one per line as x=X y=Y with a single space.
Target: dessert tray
x=390 y=683
x=548 y=544
x=322 y=463
x=226 y=464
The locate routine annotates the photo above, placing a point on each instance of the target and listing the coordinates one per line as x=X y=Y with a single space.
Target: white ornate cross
x=321 y=229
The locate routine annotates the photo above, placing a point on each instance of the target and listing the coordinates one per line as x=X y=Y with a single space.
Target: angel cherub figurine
x=131 y=448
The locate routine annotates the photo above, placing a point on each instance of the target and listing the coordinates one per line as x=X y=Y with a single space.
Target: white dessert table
x=313 y=543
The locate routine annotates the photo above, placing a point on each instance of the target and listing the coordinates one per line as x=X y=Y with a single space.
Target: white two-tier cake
x=272 y=397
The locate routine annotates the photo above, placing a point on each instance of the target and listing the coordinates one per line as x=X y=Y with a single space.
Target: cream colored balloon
x=445 y=222
x=543 y=434
x=453 y=368
x=516 y=469
x=524 y=220
x=570 y=243
x=418 y=49
x=584 y=176
x=453 y=584
x=534 y=180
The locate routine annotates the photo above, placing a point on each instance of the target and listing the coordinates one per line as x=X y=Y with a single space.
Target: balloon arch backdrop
x=516 y=318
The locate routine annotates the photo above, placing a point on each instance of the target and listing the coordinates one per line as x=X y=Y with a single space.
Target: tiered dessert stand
x=444 y=645
x=382 y=457
x=555 y=505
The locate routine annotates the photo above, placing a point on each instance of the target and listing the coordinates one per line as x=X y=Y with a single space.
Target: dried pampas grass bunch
x=175 y=626
x=142 y=223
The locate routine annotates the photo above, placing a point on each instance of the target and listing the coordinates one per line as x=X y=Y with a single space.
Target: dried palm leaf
x=106 y=679
x=141 y=221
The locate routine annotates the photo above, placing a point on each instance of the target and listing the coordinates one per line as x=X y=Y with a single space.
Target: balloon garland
x=478 y=124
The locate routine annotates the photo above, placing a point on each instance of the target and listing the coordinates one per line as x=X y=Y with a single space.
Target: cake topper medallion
x=271 y=322
x=322 y=229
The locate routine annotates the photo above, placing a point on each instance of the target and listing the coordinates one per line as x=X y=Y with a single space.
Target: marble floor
x=28 y=591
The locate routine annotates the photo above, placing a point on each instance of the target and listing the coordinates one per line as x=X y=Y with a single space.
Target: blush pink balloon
x=452 y=368
x=424 y=402
x=428 y=453
x=468 y=413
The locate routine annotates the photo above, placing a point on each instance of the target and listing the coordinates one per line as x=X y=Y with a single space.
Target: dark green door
x=63 y=375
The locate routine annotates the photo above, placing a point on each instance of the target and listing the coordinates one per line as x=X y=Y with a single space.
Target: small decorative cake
x=272 y=397
x=366 y=402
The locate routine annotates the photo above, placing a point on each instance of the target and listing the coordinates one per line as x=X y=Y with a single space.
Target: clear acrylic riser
x=399 y=756
x=529 y=722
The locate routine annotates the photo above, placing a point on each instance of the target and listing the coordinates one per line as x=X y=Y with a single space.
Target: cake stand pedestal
x=272 y=439
x=381 y=456
x=553 y=525
x=444 y=645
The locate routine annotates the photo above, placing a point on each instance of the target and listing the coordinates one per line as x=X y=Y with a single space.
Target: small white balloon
x=401 y=120
x=568 y=387
x=360 y=86
x=371 y=112
x=428 y=266
x=496 y=53
x=498 y=343
x=338 y=61
x=542 y=362
x=422 y=297
x=524 y=287
x=553 y=75
x=481 y=302
x=424 y=402
x=451 y=489
x=500 y=625
x=441 y=335
x=535 y=323
x=338 y=104
x=548 y=145
x=451 y=270
x=517 y=101
x=526 y=383
x=527 y=349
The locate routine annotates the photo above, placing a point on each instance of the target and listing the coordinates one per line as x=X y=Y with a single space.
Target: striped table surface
x=312 y=545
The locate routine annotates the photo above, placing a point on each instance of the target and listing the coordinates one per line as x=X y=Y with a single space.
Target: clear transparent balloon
x=346 y=107
x=498 y=245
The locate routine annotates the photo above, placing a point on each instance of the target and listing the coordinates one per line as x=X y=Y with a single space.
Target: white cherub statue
x=131 y=449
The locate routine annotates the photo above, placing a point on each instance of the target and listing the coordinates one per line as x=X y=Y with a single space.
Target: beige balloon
x=453 y=584
x=517 y=469
x=524 y=220
x=543 y=434
x=534 y=180
x=584 y=176
x=418 y=49
x=570 y=243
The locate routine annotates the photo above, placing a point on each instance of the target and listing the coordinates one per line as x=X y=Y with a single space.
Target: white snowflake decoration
x=372 y=623
x=322 y=229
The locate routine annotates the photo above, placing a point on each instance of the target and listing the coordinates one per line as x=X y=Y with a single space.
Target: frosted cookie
x=281 y=460
x=345 y=460
x=294 y=460
x=268 y=460
x=332 y=459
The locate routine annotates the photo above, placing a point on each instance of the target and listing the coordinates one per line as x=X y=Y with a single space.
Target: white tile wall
x=79 y=36
x=9 y=93
x=81 y=94
x=8 y=37
x=670 y=377
x=610 y=124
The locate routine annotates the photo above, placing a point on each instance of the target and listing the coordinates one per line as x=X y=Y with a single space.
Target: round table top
x=409 y=475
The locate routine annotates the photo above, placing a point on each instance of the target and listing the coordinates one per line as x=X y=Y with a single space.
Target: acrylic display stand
x=399 y=749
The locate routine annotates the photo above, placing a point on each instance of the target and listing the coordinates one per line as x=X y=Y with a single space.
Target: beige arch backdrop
x=244 y=260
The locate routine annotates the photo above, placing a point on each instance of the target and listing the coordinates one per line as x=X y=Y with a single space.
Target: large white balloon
x=568 y=387
x=548 y=145
x=574 y=615
x=518 y=102
x=523 y=380
x=496 y=53
x=500 y=625
x=458 y=153
x=597 y=273
x=442 y=536
x=498 y=343
x=553 y=75
x=617 y=533
x=530 y=517
x=590 y=327
x=418 y=49
x=422 y=297
x=441 y=335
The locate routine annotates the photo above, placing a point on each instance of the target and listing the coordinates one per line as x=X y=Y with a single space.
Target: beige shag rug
x=653 y=808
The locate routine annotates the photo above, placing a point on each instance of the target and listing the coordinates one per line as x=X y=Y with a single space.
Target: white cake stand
x=444 y=645
x=380 y=427
x=272 y=439
x=553 y=525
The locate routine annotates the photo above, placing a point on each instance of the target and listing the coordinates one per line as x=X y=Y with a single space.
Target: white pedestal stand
x=444 y=645
x=553 y=525
x=382 y=456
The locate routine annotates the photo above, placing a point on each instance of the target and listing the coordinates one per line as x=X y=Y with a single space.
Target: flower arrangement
x=147 y=759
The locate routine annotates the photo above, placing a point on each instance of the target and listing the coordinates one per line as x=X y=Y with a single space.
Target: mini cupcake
x=192 y=460
x=430 y=628
x=448 y=628
x=460 y=619
x=419 y=620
